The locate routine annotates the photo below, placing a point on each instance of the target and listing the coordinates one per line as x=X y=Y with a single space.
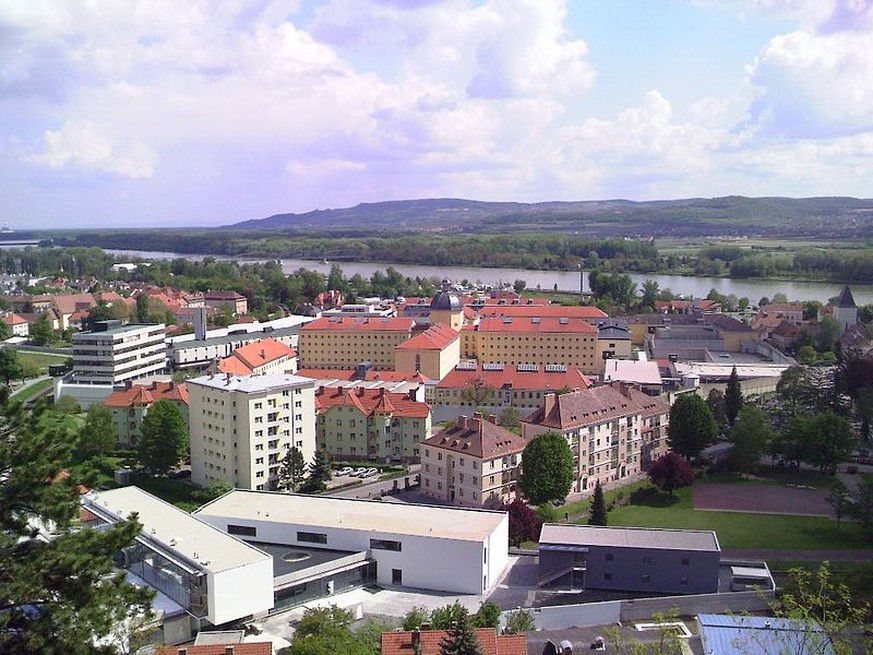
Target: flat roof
x=292 y=559
x=251 y=383
x=461 y=524
x=175 y=529
x=659 y=538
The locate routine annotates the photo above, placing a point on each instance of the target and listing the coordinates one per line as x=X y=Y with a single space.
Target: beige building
x=613 y=342
x=260 y=358
x=507 y=340
x=472 y=463
x=613 y=431
x=131 y=405
x=242 y=427
x=375 y=424
x=343 y=342
x=432 y=353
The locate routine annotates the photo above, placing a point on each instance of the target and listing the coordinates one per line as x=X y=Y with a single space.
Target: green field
x=740 y=530
x=40 y=361
x=26 y=393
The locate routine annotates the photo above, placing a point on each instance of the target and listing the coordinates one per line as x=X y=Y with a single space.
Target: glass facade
x=332 y=583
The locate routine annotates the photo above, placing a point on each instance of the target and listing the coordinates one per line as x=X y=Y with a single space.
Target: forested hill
x=731 y=215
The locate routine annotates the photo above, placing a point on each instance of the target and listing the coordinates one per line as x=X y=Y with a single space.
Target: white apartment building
x=113 y=353
x=242 y=426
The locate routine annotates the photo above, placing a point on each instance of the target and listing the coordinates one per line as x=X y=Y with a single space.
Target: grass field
x=26 y=393
x=742 y=530
x=40 y=361
x=177 y=492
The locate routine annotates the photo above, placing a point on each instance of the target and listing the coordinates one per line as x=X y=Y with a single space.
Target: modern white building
x=113 y=353
x=242 y=426
x=422 y=546
x=212 y=577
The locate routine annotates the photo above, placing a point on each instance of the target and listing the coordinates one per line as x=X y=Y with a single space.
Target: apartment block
x=343 y=342
x=260 y=358
x=113 y=353
x=507 y=340
x=613 y=431
x=473 y=463
x=371 y=424
x=242 y=426
x=130 y=406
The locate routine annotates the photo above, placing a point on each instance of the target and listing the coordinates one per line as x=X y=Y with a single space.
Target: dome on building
x=445 y=302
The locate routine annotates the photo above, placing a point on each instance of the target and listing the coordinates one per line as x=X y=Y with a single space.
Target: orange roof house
x=258 y=358
x=427 y=642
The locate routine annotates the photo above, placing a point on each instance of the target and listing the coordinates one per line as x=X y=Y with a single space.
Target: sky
x=140 y=113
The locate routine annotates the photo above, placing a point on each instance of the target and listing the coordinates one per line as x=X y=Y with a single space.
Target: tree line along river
x=686 y=285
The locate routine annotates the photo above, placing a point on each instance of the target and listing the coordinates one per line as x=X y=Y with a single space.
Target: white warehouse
x=421 y=546
x=211 y=577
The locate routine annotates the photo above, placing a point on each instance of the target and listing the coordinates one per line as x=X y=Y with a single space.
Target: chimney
x=263 y=354
x=477 y=415
x=548 y=403
x=493 y=418
x=183 y=650
x=128 y=384
x=228 y=378
x=462 y=422
x=416 y=642
x=154 y=385
x=381 y=392
x=229 y=649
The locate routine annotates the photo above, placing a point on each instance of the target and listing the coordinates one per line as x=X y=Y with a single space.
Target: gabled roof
x=370 y=376
x=147 y=395
x=490 y=643
x=245 y=359
x=11 y=318
x=436 y=337
x=725 y=323
x=506 y=377
x=477 y=437
x=592 y=406
x=70 y=303
x=223 y=295
x=370 y=401
x=245 y=648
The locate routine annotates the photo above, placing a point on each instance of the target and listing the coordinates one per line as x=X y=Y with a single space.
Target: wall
x=240 y=592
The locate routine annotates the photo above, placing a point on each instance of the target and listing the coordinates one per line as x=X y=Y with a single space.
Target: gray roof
x=445 y=301
x=658 y=538
x=251 y=383
x=754 y=635
x=846 y=300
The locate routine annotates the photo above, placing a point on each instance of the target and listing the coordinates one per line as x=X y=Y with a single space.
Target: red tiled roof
x=490 y=643
x=13 y=319
x=547 y=311
x=595 y=405
x=70 y=303
x=534 y=324
x=510 y=376
x=368 y=401
x=436 y=337
x=371 y=376
x=245 y=648
x=146 y=395
x=262 y=352
x=478 y=437
x=223 y=295
x=344 y=323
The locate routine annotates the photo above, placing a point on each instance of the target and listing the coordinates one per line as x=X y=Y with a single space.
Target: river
x=686 y=285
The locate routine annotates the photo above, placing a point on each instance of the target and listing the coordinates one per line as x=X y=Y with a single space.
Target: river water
x=686 y=285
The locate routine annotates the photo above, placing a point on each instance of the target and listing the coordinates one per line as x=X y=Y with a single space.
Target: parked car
x=370 y=472
x=345 y=470
x=360 y=472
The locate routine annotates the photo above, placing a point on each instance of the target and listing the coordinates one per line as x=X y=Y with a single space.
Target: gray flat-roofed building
x=640 y=560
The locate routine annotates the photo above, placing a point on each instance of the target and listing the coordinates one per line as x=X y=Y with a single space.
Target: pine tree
x=319 y=474
x=293 y=470
x=733 y=397
x=597 y=512
x=460 y=638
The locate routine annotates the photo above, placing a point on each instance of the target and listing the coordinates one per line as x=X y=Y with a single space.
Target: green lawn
x=177 y=492
x=40 y=361
x=26 y=393
x=739 y=530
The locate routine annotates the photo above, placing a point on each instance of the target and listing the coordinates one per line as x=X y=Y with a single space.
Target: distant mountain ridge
x=767 y=216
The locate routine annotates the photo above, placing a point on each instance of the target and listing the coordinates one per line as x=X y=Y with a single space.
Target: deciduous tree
x=692 y=426
x=670 y=471
x=524 y=524
x=98 y=435
x=840 y=499
x=10 y=367
x=164 y=439
x=547 y=471
x=751 y=437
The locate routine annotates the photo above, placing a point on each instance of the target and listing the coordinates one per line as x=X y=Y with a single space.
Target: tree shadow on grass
x=653 y=497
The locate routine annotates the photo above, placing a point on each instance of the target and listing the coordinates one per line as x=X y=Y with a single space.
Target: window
x=607 y=576
x=647 y=559
x=686 y=561
x=683 y=580
x=385 y=544
x=242 y=530
x=608 y=557
x=647 y=578
x=312 y=537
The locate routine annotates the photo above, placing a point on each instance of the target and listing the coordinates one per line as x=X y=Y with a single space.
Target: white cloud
x=82 y=145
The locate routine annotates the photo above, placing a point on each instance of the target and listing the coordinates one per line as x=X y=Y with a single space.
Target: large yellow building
x=342 y=343
x=509 y=340
x=433 y=353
